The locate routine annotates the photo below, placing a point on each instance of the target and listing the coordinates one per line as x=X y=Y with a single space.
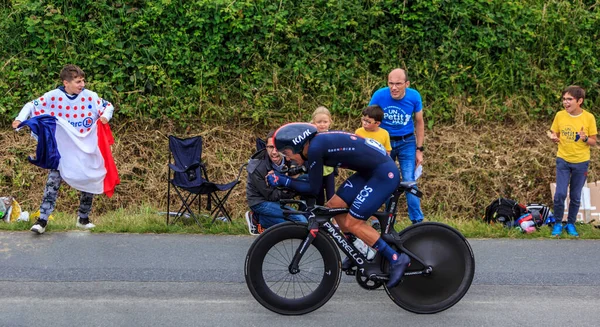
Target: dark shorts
x=365 y=193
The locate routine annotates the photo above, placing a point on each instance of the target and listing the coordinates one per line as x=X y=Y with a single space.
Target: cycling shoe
x=347 y=264
x=397 y=270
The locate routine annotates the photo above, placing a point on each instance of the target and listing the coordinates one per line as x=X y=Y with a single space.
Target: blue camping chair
x=260 y=144
x=188 y=177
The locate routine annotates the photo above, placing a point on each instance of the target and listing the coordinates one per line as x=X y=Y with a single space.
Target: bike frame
x=319 y=218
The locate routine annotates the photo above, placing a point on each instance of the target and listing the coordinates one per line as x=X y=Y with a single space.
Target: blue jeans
x=573 y=176
x=405 y=152
x=269 y=214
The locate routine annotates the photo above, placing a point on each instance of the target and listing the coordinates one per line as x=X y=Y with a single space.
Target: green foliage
x=225 y=60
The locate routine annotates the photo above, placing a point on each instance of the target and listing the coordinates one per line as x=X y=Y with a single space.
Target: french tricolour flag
x=84 y=160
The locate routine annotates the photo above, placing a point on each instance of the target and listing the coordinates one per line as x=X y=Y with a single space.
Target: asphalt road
x=84 y=279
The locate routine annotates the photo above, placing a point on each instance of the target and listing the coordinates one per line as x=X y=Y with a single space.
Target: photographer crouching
x=263 y=199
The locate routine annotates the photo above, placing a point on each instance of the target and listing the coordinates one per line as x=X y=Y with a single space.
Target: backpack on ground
x=542 y=214
x=504 y=211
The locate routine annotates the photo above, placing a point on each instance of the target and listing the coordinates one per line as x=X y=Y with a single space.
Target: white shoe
x=252 y=228
x=84 y=224
x=39 y=227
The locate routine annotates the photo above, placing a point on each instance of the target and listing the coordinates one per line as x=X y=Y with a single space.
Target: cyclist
x=376 y=177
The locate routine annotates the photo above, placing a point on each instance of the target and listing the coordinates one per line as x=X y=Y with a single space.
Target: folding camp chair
x=260 y=144
x=187 y=175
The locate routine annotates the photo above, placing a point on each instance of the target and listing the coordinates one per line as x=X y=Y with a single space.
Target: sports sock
x=386 y=250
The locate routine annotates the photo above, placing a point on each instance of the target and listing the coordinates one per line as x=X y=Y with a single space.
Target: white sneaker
x=84 y=223
x=39 y=227
x=252 y=228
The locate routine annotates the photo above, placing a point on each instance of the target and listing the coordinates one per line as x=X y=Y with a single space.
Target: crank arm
x=384 y=278
x=425 y=272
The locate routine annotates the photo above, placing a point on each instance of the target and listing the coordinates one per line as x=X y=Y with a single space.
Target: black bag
x=504 y=211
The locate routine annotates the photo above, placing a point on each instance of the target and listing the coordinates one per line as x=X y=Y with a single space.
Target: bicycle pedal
x=351 y=271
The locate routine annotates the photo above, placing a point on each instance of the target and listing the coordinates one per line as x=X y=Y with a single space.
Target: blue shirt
x=397 y=114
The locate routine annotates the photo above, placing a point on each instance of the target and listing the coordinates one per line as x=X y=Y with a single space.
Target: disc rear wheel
x=452 y=263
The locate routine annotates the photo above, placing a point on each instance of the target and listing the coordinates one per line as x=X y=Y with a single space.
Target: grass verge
x=148 y=220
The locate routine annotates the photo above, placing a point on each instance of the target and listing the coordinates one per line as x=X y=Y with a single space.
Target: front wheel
x=275 y=287
x=448 y=253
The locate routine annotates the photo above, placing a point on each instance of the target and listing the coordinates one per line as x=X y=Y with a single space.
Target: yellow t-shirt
x=381 y=136
x=568 y=126
x=327 y=170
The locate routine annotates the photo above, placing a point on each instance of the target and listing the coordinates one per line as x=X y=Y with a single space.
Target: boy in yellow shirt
x=574 y=130
x=371 y=119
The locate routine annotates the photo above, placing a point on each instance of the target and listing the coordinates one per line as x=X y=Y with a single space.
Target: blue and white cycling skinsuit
x=376 y=174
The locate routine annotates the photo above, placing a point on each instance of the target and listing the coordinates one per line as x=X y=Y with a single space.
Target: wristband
x=586 y=139
x=284 y=180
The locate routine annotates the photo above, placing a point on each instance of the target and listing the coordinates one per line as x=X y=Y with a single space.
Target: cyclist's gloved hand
x=278 y=180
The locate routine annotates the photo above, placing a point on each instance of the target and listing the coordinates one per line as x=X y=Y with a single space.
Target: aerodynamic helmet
x=294 y=136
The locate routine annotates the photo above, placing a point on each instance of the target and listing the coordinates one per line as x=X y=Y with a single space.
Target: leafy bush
x=225 y=60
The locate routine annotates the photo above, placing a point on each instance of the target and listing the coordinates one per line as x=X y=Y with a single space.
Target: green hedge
x=224 y=60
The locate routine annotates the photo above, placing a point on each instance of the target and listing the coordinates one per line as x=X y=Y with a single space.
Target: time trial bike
x=295 y=268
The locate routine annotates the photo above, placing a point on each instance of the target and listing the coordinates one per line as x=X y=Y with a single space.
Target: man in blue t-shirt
x=403 y=119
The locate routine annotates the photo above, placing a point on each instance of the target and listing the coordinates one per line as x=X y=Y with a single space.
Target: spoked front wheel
x=273 y=285
x=452 y=263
